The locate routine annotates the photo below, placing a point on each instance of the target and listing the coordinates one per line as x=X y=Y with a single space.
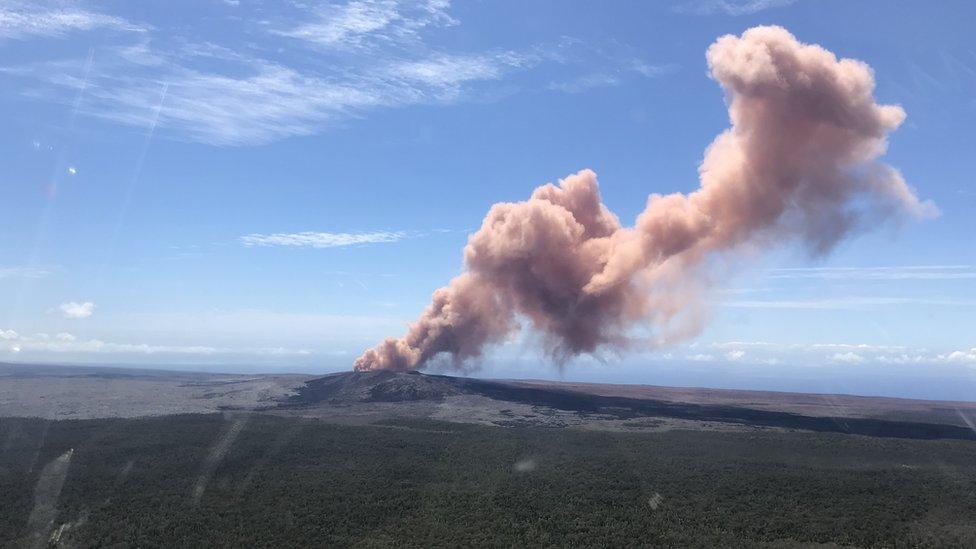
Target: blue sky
x=278 y=185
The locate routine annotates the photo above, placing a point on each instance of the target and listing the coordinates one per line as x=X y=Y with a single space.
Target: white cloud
x=19 y=20
x=847 y=358
x=347 y=24
x=814 y=354
x=908 y=358
x=72 y=170
x=966 y=357
x=448 y=71
x=729 y=7
x=64 y=336
x=735 y=355
x=322 y=240
x=363 y=23
x=73 y=309
x=855 y=346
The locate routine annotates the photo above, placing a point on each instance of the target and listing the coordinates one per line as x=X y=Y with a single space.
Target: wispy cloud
x=586 y=82
x=616 y=74
x=263 y=102
x=729 y=7
x=76 y=310
x=348 y=24
x=19 y=20
x=365 y=23
x=253 y=100
x=22 y=272
x=322 y=240
x=913 y=272
x=243 y=88
x=447 y=71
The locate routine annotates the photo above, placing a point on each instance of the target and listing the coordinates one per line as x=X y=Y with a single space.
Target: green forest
x=259 y=480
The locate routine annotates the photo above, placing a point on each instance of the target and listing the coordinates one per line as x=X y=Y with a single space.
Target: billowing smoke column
x=798 y=163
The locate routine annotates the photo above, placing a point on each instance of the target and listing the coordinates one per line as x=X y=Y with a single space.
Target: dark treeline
x=257 y=480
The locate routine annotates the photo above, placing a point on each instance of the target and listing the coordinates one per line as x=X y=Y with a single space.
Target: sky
x=276 y=186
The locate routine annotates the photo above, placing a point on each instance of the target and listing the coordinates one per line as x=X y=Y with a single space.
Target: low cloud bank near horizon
x=305 y=354
x=799 y=164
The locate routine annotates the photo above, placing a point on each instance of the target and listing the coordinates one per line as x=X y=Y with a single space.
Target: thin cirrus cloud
x=254 y=100
x=76 y=310
x=20 y=20
x=249 y=85
x=22 y=272
x=616 y=77
x=729 y=7
x=586 y=83
x=363 y=23
x=448 y=71
x=310 y=239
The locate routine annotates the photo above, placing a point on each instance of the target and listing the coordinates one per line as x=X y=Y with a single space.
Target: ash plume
x=799 y=163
